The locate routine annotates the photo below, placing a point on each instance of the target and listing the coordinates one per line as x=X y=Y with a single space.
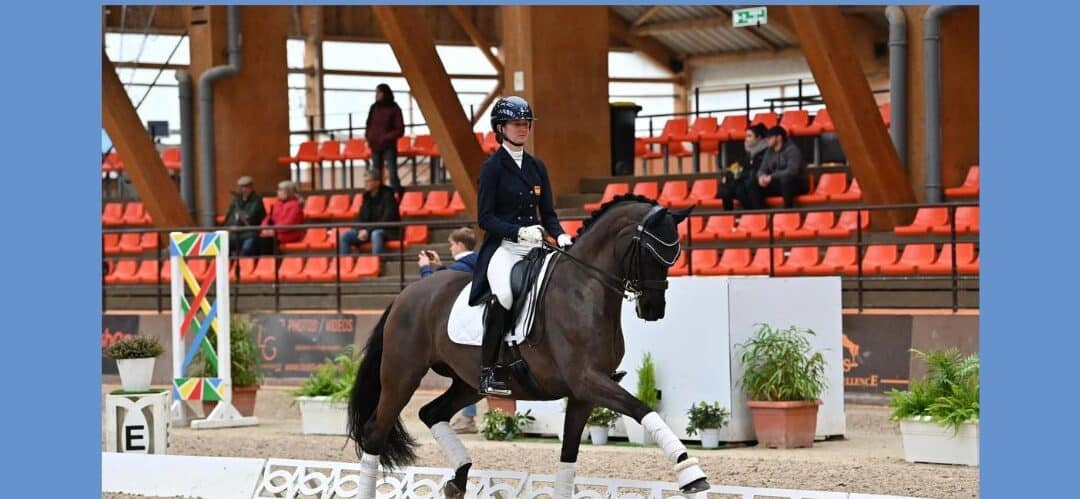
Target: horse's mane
x=604 y=208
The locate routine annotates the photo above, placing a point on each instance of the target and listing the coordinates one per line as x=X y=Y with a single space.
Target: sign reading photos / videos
x=292 y=345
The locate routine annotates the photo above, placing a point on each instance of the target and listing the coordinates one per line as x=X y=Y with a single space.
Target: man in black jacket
x=246 y=209
x=379 y=205
x=783 y=172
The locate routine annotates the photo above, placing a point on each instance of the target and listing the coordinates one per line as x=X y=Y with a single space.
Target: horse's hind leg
x=436 y=415
x=598 y=388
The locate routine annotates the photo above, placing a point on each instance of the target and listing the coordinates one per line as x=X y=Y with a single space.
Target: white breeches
x=498 y=272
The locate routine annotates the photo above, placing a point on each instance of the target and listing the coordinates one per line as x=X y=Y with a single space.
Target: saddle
x=522 y=276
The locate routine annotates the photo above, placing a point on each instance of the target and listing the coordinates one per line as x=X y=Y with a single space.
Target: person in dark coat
x=515 y=204
x=247 y=210
x=384 y=127
x=379 y=205
x=783 y=172
x=738 y=182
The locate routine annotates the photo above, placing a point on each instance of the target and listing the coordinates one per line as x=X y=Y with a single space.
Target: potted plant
x=708 y=419
x=783 y=379
x=134 y=358
x=600 y=421
x=939 y=414
x=244 y=359
x=323 y=398
x=498 y=425
x=647 y=393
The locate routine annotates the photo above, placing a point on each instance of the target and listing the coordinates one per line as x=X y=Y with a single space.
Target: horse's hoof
x=451 y=491
x=699 y=485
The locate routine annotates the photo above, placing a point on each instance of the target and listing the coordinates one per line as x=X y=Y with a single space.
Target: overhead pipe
x=898 y=74
x=206 y=115
x=932 y=86
x=187 y=143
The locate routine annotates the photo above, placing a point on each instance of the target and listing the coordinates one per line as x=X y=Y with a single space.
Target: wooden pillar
x=406 y=30
x=959 y=96
x=141 y=160
x=826 y=44
x=556 y=58
x=251 y=108
x=312 y=18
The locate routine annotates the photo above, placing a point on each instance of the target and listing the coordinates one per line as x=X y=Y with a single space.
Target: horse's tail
x=397 y=451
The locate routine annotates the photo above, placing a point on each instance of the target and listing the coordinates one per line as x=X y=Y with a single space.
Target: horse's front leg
x=577 y=414
x=599 y=389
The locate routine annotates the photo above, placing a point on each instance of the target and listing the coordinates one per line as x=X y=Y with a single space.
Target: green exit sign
x=753 y=16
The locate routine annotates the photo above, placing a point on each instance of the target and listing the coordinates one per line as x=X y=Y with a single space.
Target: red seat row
x=755 y=226
x=129 y=243
x=970 y=187
x=319 y=239
x=882 y=259
x=830 y=188
x=170 y=157
x=252 y=270
x=121 y=214
x=935 y=220
x=413 y=204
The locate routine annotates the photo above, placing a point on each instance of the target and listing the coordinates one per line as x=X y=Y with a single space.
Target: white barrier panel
x=233 y=478
x=186 y=476
x=695 y=350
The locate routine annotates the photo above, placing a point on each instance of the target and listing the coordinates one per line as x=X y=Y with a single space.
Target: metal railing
x=957 y=283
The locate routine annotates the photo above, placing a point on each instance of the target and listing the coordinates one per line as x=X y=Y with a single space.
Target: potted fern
x=647 y=393
x=707 y=419
x=498 y=425
x=939 y=414
x=134 y=358
x=783 y=379
x=244 y=359
x=600 y=421
x=324 y=396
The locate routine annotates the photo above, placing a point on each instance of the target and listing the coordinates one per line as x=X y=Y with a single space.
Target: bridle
x=631 y=285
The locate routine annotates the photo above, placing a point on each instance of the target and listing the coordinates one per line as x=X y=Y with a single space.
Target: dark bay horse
x=575 y=346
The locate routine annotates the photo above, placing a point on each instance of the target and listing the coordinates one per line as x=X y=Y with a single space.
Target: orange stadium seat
x=680 y=267
x=815 y=222
x=703 y=125
x=967 y=222
x=110 y=244
x=437 y=204
x=760 y=264
x=837 y=260
x=112 y=214
x=800 y=259
x=966 y=261
x=125 y=272
x=851 y=195
x=733 y=261
x=647 y=189
x=769 y=119
x=703 y=189
x=695 y=227
x=970 y=187
x=848 y=224
x=824 y=120
x=308 y=152
x=135 y=214
x=912 y=258
x=672 y=128
x=362 y=267
x=735 y=126
x=796 y=120
x=412 y=204
x=357 y=149
x=641 y=150
x=926 y=220
x=674 y=191
x=170 y=157
x=878 y=257
x=784 y=224
x=330 y=150
x=827 y=185
x=314 y=207
x=719 y=225
x=456 y=203
x=337 y=208
x=703 y=261
x=414 y=234
x=268 y=203
x=404 y=147
x=571 y=226
x=354 y=207
x=291 y=269
x=319 y=269
x=886 y=113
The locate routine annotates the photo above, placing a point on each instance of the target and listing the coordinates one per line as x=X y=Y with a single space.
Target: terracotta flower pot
x=508 y=406
x=243 y=399
x=785 y=425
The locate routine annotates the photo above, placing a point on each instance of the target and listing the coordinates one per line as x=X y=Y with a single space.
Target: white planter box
x=320 y=416
x=598 y=435
x=710 y=438
x=928 y=442
x=135 y=374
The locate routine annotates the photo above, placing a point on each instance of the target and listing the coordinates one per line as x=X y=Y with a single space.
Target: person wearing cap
x=245 y=210
x=783 y=172
x=739 y=180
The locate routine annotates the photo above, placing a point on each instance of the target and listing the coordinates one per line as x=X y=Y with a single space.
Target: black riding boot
x=493 y=379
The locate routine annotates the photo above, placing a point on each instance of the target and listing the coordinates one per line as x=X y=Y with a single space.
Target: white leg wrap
x=369 y=471
x=688 y=471
x=663 y=436
x=564 y=480
x=451 y=445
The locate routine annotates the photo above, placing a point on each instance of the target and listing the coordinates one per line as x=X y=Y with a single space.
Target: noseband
x=643 y=242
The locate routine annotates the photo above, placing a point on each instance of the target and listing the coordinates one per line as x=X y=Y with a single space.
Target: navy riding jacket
x=510 y=198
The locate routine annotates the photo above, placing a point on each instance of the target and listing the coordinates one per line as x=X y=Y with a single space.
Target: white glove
x=565 y=240
x=530 y=234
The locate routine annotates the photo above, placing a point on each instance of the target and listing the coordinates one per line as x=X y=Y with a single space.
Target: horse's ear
x=681 y=215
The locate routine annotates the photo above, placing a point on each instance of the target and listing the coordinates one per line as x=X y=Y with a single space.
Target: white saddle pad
x=466 y=325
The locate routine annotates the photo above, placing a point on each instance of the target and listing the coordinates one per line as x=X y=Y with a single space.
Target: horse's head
x=646 y=244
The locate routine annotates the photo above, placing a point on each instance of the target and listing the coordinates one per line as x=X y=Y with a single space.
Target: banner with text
x=293 y=344
x=876 y=352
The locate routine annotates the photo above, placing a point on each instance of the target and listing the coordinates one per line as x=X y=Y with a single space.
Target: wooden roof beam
x=682 y=25
x=651 y=11
x=476 y=36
